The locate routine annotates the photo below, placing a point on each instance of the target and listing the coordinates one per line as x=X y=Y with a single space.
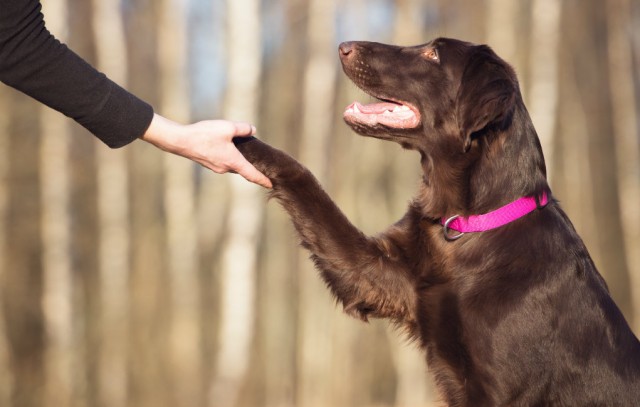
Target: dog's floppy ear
x=487 y=93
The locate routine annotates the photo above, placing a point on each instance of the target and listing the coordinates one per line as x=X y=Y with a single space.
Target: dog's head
x=459 y=105
x=445 y=87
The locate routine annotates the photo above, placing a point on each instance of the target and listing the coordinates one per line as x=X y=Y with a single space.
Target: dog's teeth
x=355 y=108
x=400 y=108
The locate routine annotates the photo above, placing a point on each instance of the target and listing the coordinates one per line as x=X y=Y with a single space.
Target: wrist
x=164 y=134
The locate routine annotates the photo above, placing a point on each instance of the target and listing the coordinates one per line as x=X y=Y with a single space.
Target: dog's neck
x=501 y=166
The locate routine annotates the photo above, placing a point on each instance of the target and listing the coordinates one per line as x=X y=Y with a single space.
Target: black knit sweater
x=34 y=62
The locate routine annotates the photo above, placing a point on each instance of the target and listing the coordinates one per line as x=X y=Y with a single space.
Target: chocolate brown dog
x=512 y=313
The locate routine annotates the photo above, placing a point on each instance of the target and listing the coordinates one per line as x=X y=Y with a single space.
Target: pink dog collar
x=494 y=219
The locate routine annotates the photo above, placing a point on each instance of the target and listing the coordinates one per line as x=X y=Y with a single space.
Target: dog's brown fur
x=516 y=316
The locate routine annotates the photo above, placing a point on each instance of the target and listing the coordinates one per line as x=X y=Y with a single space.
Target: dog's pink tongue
x=376 y=108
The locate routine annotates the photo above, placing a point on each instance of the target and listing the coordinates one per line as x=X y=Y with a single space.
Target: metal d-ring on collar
x=445 y=229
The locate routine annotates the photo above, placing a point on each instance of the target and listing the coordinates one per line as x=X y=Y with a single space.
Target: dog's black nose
x=346 y=48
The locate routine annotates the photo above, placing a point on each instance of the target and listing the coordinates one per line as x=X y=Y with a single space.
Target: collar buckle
x=446 y=231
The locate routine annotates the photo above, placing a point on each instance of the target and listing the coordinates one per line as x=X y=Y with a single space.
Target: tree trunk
x=501 y=26
x=238 y=279
x=148 y=309
x=543 y=95
x=182 y=248
x=319 y=352
x=587 y=36
x=113 y=217
x=627 y=144
x=84 y=227
x=56 y=239
x=280 y=125
x=22 y=279
x=6 y=376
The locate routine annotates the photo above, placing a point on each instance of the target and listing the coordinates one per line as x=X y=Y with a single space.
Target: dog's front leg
x=369 y=275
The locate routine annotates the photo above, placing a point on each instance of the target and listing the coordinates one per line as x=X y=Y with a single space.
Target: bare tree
x=316 y=314
x=237 y=305
x=501 y=29
x=113 y=211
x=56 y=239
x=543 y=95
x=58 y=284
x=627 y=146
x=22 y=279
x=277 y=335
x=571 y=184
x=148 y=308
x=83 y=208
x=6 y=377
x=179 y=198
x=586 y=33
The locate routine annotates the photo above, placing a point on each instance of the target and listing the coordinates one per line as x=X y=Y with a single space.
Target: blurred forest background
x=133 y=278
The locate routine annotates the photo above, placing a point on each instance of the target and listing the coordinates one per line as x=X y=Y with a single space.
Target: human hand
x=209 y=143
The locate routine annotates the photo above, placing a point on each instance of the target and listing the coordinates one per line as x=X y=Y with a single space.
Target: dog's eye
x=431 y=54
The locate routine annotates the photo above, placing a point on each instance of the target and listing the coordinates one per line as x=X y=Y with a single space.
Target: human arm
x=36 y=63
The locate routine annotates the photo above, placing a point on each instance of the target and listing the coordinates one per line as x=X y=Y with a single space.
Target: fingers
x=244 y=129
x=237 y=163
x=215 y=150
x=250 y=173
x=244 y=167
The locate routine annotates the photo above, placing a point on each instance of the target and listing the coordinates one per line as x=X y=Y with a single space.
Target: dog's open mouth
x=387 y=113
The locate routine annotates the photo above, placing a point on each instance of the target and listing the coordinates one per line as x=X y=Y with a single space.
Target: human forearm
x=34 y=62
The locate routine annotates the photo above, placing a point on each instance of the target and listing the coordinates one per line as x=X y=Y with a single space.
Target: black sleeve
x=34 y=62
